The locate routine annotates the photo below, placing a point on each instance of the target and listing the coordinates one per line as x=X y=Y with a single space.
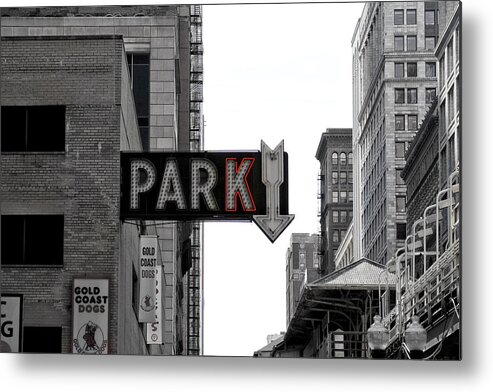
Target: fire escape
x=194 y=282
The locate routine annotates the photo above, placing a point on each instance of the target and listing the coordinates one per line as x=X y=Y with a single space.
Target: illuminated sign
x=239 y=185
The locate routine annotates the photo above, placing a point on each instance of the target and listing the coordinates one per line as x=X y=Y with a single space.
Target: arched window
x=334 y=158
x=350 y=158
x=343 y=158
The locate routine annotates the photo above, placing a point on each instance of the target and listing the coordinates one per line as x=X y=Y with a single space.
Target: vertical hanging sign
x=147 y=278
x=154 y=330
x=90 y=321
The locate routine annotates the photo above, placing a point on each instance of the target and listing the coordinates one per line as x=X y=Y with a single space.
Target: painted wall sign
x=90 y=319
x=147 y=278
x=10 y=323
x=238 y=185
x=154 y=331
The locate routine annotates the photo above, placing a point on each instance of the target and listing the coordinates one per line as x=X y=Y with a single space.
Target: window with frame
x=429 y=17
x=343 y=177
x=430 y=69
x=139 y=69
x=400 y=122
x=430 y=94
x=398 y=17
x=411 y=43
x=350 y=158
x=335 y=197
x=335 y=158
x=335 y=216
x=398 y=176
x=400 y=203
x=412 y=122
x=335 y=177
x=335 y=235
x=430 y=43
x=399 y=43
x=343 y=158
x=33 y=128
x=343 y=216
x=451 y=105
x=400 y=149
x=343 y=197
x=399 y=96
x=350 y=177
x=350 y=196
x=401 y=231
x=412 y=95
x=411 y=16
x=412 y=70
x=398 y=70
x=32 y=239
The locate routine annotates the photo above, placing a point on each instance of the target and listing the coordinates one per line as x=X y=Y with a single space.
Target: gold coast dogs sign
x=237 y=185
x=90 y=321
x=147 y=278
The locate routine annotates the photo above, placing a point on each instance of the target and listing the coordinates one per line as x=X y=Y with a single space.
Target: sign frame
x=21 y=318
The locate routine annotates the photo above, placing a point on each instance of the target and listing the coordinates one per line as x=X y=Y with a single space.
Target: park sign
x=208 y=185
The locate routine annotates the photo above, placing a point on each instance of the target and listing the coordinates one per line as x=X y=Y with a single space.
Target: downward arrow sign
x=272 y=224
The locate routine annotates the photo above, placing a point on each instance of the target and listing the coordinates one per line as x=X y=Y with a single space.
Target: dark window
x=430 y=43
x=350 y=196
x=398 y=17
x=412 y=95
x=335 y=236
x=399 y=95
x=412 y=122
x=399 y=43
x=343 y=177
x=400 y=122
x=400 y=204
x=335 y=216
x=350 y=177
x=411 y=43
x=32 y=239
x=42 y=340
x=398 y=70
x=430 y=94
x=334 y=158
x=401 y=231
x=138 y=64
x=430 y=70
x=33 y=128
x=411 y=17
x=430 y=17
x=412 y=70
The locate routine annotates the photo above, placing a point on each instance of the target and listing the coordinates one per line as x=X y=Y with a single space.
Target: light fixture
x=415 y=338
x=378 y=338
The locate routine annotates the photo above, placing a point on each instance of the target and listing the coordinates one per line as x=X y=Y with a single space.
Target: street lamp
x=378 y=338
x=415 y=338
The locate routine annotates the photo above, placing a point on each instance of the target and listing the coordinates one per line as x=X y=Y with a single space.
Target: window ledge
x=33 y=152
x=49 y=266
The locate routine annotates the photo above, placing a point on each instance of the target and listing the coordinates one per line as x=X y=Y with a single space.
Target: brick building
x=394 y=82
x=161 y=50
x=335 y=155
x=302 y=266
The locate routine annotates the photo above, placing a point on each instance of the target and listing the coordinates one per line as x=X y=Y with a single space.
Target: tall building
x=335 y=155
x=162 y=48
x=302 y=266
x=394 y=82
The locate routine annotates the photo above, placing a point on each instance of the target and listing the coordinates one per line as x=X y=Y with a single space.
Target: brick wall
x=82 y=183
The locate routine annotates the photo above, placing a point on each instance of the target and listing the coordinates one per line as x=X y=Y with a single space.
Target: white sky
x=271 y=72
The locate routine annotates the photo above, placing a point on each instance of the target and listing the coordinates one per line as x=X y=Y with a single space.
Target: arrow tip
x=273 y=228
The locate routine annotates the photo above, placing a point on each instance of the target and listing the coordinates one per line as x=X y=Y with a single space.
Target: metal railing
x=344 y=344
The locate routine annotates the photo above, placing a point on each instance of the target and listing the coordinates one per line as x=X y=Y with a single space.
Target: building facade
x=394 y=82
x=162 y=50
x=302 y=266
x=335 y=155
